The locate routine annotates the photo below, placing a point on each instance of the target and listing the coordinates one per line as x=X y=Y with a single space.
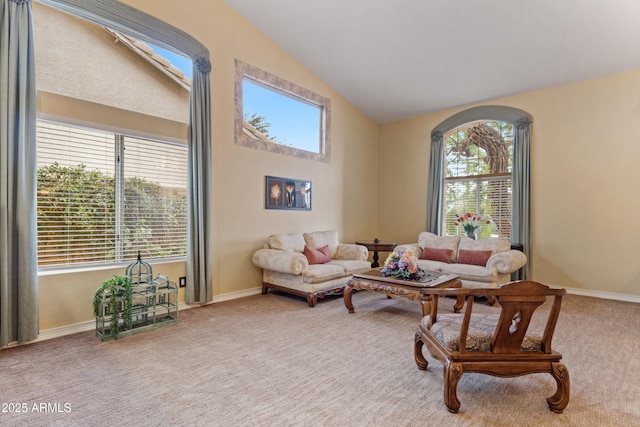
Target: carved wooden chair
x=494 y=344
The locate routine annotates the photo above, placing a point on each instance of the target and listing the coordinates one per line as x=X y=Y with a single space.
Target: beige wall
x=344 y=190
x=585 y=153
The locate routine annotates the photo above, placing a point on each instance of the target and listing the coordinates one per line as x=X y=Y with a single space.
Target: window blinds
x=490 y=197
x=102 y=197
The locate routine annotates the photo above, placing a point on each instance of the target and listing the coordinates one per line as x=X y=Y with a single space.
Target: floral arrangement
x=402 y=265
x=470 y=222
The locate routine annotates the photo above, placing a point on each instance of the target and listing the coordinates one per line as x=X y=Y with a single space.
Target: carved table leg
x=375 y=263
x=347 y=298
x=426 y=306
x=459 y=303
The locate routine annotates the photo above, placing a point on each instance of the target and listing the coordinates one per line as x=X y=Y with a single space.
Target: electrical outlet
x=183 y=281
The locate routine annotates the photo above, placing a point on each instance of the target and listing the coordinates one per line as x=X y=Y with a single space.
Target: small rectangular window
x=275 y=115
x=103 y=196
x=281 y=118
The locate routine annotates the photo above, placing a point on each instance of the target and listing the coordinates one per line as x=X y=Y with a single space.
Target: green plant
x=118 y=290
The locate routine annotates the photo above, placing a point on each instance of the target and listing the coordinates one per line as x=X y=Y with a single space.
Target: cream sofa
x=501 y=263
x=286 y=268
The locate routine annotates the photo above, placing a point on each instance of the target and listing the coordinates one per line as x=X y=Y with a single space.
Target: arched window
x=478 y=178
x=520 y=124
x=133 y=22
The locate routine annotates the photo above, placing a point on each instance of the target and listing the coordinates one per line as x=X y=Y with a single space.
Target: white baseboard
x=604 y=295
x=91 y=324
x=239 y=294
x=48 y=334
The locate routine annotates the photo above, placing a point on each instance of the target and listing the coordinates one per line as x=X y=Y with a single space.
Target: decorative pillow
x=474 y=257
x=317 y=256
x=430 y=240
x=494 y=244
x=437 y=254
x=287 y=242
x=318 y=239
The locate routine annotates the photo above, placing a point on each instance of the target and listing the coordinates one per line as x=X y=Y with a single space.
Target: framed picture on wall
x=287 y=193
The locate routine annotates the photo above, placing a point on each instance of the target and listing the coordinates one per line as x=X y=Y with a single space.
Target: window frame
x=119 y=176
x=479 y=180
x=279 y=85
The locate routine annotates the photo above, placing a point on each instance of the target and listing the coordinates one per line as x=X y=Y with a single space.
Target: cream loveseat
x=310 y=265
x=479 y=263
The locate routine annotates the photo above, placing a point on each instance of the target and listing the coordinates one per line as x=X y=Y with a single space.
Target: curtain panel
x=436 y=183
x=18 y=224
x=521 y=207
x=521 y=204
x=200 y=215
x=126 y=19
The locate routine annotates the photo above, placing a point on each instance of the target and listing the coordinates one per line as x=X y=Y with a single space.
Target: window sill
x=54 y=270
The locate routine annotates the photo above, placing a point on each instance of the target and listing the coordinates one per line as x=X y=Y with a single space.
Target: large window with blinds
x=103 y=197
x=478 y=177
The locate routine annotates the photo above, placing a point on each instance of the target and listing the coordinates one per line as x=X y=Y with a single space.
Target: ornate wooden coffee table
x=374 y=281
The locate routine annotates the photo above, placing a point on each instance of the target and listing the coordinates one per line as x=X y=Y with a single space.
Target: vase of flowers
x=402 y=265
x=470 y=223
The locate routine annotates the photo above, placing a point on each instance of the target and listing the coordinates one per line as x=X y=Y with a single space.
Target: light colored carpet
x=270 y=360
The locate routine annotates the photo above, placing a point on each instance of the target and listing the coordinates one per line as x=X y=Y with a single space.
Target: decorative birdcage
x=149 y=303
x=140 y=272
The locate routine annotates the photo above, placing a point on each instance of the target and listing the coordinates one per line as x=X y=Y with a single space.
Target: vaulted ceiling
x=395 y=59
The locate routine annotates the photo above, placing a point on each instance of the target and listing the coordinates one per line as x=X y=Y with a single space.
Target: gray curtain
x=200 y=225
x=436 y=183
x=126 y=19
x=521 y=209
x=18 y=226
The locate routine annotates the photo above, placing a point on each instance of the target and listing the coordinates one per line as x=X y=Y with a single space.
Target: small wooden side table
x=376 y=246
